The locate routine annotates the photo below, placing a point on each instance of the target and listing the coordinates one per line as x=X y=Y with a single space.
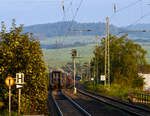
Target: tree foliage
x=21 y=53
x=125 y=57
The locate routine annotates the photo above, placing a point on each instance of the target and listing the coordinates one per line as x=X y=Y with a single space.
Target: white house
x=146 y=80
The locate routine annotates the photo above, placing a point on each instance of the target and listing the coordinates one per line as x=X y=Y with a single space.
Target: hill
x=61 y=34
x=139 y=27
x=63 y=28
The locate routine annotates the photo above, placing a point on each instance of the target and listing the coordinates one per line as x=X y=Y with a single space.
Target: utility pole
x=105 y=82
x=96 y=63
x=56 y=44
x=107 y=54
x=74 y=55
x=89 y=70
x=74 y=75
x=96 y=41
x=94 y=74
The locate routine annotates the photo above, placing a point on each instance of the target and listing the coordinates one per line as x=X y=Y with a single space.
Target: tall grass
x=6 y=113
x=116 y=91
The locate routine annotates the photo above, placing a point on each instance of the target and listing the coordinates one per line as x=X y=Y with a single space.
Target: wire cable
x=72 y=21
x=145 y=15
x=123 y=8
x=75 y=15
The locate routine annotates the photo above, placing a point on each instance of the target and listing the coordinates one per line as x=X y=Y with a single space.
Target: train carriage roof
x=57 y=69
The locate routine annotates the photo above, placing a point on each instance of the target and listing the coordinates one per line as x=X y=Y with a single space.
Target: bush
x=116 y=90
x=20 y=52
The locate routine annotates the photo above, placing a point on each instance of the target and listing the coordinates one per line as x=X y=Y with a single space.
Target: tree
x=19 y=52
x=125 y=57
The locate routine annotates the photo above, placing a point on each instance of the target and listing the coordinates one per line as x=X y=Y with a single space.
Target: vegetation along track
x=66 y=106
x=127 y=107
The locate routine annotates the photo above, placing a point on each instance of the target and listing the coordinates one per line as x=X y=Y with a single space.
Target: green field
x=59 y=57
x=67 y=40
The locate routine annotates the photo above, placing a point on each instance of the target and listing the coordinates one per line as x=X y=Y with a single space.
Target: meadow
x=61 y=56
x=68 y=40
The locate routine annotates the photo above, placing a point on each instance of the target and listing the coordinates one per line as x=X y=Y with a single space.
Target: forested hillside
x=66 y=28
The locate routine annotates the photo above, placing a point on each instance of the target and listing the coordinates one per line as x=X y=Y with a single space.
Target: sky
x=30 y=12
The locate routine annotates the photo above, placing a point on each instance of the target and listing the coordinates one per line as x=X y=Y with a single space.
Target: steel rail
x=107 y=100
x=77 y=106
x=57 y=106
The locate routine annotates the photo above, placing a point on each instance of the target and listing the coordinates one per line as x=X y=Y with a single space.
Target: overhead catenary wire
x=143 y=16
x=66 y=9
x=126 y=7
x=130 y=5
x=76 y=12
x=123 y=8
x=72 y=21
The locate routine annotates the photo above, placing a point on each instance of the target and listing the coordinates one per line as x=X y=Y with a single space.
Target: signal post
x=19 y=85
x=74 y=55
x=9 y=81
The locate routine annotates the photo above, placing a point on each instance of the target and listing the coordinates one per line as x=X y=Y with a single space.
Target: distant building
x=146 y=80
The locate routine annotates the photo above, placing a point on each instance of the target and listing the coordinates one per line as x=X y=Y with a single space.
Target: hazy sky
x=29 y=12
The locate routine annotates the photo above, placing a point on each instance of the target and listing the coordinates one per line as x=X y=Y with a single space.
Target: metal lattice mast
x=108 y=51
x=96 y=41
x=105 y=82
x=96 y=45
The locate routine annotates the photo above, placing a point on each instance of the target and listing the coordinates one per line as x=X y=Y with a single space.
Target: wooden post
x=19 y=101
x=9 y=100
x=74 y=75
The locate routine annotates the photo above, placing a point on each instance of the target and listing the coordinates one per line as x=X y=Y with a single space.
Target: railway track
x=94 y=107
x=66 y=106
x=127 y=107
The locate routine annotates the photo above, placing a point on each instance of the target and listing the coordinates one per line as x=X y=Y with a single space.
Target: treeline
x=127 y=59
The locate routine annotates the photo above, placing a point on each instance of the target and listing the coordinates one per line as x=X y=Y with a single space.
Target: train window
x=57 y=76
x=53 y=75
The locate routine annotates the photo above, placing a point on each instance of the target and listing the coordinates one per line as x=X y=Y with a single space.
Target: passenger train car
x=59 y=79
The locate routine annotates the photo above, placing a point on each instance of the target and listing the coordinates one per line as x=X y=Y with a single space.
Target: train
x=59 y=79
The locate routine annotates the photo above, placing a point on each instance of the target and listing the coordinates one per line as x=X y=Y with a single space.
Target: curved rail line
x=130 y=108
x=64 y=99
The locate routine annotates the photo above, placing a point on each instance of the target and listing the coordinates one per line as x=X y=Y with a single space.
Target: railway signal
x=9 y=81
x=74 y=55
x=19 y=85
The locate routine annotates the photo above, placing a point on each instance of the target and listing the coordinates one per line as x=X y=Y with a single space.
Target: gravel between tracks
x=66 y=107
x=94 y=107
